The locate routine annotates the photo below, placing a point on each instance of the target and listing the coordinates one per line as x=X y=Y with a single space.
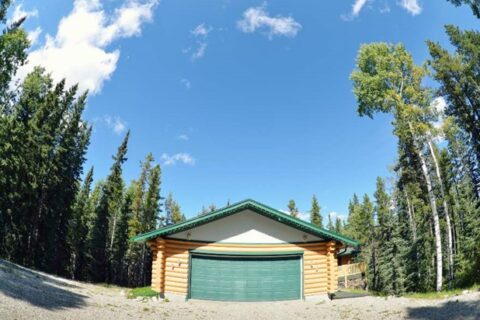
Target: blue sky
x=236 y=99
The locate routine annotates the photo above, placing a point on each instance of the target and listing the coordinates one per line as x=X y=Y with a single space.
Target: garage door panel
x=245 y=279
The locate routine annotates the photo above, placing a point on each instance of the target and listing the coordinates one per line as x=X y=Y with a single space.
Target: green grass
x=441 y=294
x=144 y=292
x=355 y=291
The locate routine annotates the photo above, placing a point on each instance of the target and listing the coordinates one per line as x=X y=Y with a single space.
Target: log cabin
x=244 y=252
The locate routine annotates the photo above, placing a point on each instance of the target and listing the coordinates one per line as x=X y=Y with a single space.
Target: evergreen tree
x=107 y=211
x=118 y=264
x=386 y=80
x=173 y=213
x=458 y=76
x=330 y=225
x=315 y=216
x=292 y=208
x=78 y=229
x=338 y=225
x=473 y=4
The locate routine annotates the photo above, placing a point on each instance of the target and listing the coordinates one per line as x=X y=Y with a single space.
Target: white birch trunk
x=447 y=215
x=433 y=205
x=411 y=217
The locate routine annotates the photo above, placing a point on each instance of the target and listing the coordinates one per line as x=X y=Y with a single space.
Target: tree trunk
x=433 y=205
x=411 y=218
x=447 y=216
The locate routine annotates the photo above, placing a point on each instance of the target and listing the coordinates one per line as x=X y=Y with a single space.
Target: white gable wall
x=245 y=227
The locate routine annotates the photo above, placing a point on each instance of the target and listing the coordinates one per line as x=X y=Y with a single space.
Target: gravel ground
x=27 y=294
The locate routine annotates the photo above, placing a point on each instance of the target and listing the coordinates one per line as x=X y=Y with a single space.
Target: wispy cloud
x=201 y=30
x=334 y=215
x=411 y=6
x=186 y=83
x=183 y=137
x=200 y=51
x=79 y=50
x=114 y=123
x=33 y=35
x=200 y=33
x=358 y=6
x=257 y=18
x=173 y=159
x=20 y=13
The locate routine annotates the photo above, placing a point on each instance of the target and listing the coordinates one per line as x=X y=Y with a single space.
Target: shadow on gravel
x=39 y=290
x=451 y=310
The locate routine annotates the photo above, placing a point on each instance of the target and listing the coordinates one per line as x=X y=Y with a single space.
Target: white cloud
x=358 y=6
x=411 y=6
x=78 y=51
x=19 y=13
x=201 y=30
x=439 y=104
x=186 y=83
x=304 y=216
x=183 y=137
x=200 y=52
x=334 y=215
x=33 y=35
x=257 y=18
x=184 y=158
x=117 y=125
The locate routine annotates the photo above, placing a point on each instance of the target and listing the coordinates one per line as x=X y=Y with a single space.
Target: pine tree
x=338 y=225
x=330 y=225
x=292 y=208
x=118 y=264
x=78 y=228
x=315 y=216
x=473 y=4
x=106 y=213
x=173 y=213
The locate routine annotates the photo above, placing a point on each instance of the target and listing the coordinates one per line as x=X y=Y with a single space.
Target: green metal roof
x=240 y=206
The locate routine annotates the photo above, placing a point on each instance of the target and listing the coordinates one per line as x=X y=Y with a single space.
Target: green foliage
x=473 y=4
x=173 y=213
x=106 y=216
x=459 y=82
x=142 y=292
x=292 y=208
x=315 y=216
x=330 y=225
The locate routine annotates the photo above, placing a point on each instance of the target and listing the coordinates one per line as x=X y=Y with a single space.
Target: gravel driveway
x=26 y=294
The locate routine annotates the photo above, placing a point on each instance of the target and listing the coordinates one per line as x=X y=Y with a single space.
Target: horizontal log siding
x=170 y=263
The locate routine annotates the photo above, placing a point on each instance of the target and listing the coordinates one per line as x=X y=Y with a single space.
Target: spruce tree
x=315 y=216
x=106 y=214
x=292 y=208
x=78 y=228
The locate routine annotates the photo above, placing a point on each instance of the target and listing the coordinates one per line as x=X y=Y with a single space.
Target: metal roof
x=254 y=206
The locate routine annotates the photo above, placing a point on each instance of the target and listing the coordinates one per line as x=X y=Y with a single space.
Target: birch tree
x=387 y=81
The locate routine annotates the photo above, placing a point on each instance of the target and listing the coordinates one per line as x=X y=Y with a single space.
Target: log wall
x=170 y=263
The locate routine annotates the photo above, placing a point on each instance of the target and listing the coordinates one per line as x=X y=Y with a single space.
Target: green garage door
x=245 y=278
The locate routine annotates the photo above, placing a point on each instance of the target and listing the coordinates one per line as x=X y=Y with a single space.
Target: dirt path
x=27 y=294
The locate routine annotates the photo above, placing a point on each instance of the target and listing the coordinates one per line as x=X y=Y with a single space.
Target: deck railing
x=350 y=269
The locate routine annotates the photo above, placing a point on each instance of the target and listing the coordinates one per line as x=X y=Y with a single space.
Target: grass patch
x=144 y=292
x=442 y=294
x=359 y=291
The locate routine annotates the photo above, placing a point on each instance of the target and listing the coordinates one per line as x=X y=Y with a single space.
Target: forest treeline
x=423 y=231
x=50 y=219
x=420 y=231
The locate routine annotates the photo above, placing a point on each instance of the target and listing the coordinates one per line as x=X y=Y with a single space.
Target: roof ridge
x=236 y=207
